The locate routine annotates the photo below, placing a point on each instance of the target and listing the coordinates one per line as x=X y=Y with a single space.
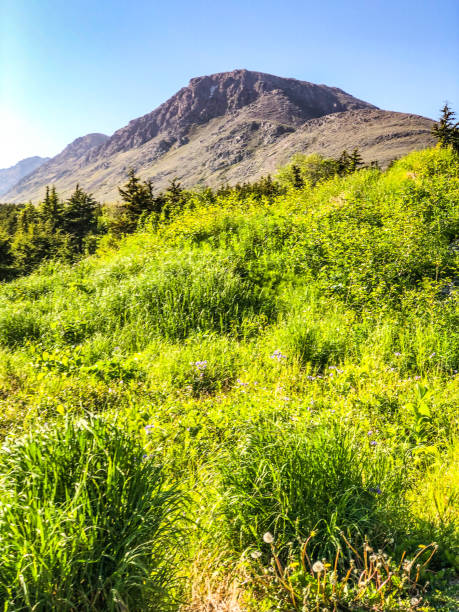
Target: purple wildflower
x=201 y=365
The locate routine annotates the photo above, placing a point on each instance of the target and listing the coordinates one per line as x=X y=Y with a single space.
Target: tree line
x=69 y=229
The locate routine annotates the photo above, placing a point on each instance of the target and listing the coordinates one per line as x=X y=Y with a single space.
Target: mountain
x=10 y=176
x=57 y=170
x=228 y=127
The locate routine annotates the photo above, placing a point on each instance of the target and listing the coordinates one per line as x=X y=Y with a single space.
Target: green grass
x=248 y=349
x=87 y=521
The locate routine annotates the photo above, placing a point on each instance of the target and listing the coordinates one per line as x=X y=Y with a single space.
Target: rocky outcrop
x=231 y=126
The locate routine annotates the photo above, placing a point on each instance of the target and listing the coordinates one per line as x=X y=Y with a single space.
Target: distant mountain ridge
x=9 y=177
x=228 y=127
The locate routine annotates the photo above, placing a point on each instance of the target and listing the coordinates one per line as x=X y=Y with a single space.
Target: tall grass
x=254 y=351
x=86 y=522
x=326 y=478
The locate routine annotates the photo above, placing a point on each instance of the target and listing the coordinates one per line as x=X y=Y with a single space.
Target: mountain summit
x=228 y=127
x=286 y=101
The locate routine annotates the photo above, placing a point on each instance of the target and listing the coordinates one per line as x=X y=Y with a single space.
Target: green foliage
x=53 y=230
x=84 y=519
x=50 y=210
x=6 y=257
x=306 y=168
x=137 y=197
x=265 y=187
x=79 y=217
x=312 y=169
x=255 y=341
x=292 y=480
x=447 y=130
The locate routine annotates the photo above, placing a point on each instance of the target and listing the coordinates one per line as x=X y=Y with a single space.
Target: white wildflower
x=268 y=538
x=318 y=567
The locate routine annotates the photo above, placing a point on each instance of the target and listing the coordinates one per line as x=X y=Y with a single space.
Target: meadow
x=250 y=405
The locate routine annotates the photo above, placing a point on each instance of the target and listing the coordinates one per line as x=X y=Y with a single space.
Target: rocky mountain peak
x=82 y=145
x=225 y=128
x=208 y=97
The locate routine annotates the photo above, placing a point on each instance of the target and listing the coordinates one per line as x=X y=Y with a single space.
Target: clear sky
x=70 y=67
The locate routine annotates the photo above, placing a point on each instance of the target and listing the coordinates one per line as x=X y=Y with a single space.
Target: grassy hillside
x=251 y=406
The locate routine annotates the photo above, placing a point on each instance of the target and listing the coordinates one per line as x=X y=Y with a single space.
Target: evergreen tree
x=343 y=163
x=173 y=198
x=35 y=244
x=79 y=217
x=137 y=200
x=6 y=256
x=355 y=160
x=50 y=209
x=27 y=216
x=297 y=179
x=447 y=130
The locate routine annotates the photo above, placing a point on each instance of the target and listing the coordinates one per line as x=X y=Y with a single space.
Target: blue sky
x=70 y=67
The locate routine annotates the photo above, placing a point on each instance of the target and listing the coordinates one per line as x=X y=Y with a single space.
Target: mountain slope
x=56 y=170
x=10 y=176
x=232 y=126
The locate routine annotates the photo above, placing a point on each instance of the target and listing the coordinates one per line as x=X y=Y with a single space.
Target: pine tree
x=174 y=198
x=6 y=257
x=137 y=200
x=343 y=163
x=355 y=160
x=79 y=217
x=297 y=179
x=447 y=130
x=28 y=215
x=50 y=209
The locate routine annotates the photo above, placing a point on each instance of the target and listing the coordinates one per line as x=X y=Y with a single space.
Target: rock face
x=206 y=98
x=10 y=176
x=228 y=127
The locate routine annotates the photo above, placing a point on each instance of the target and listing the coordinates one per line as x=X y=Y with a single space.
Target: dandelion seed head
x=268 y=538
x=318 y=567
